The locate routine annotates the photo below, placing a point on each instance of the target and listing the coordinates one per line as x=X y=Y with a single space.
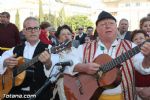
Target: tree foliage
x=61 y=17
x=55 y=21
x=74 y=21
x=17 y=19
x=41 y=15
x=78 y=20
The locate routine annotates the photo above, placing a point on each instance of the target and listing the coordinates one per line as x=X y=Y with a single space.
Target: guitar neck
x=24 y=66
x=53 y=50
x=120 y=59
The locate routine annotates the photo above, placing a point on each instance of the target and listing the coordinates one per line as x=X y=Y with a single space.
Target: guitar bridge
x=100 y=73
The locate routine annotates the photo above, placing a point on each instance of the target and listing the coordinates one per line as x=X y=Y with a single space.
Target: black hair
x=137 y=32
x=61 y=28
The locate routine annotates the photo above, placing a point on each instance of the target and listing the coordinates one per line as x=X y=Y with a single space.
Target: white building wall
x=133 y=10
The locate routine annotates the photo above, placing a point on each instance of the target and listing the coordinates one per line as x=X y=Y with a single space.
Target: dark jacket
x=9 y=36
x=128 y=36
x=81 y=39
x=35 y=76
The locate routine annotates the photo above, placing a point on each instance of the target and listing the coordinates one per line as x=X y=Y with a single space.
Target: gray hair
x=123 y=19
x=29 y=18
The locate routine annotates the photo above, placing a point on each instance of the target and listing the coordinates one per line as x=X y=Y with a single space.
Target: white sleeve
x=54 y=59
x=137 y=62
x=80 y=53
x=1 y=66
x=70 y=69
x=76 y=56
x=5 y=55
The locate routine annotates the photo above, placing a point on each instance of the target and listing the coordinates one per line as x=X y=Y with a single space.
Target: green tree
x=78 y=20
x=52 y=19
x=41 y=15
x=61 y=17
x=17 y=19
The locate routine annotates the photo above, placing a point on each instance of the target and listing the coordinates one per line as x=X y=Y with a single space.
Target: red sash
x=127 y=72
x=141 y=80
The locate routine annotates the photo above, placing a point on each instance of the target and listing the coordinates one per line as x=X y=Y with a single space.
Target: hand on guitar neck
x=45 y=58
x=145 y=50
x=15 y=76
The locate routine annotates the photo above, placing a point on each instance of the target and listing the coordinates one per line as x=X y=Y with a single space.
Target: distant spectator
x=87 y=39
x=22 y=37
x=44 y=35
x=138 y=36
x=9 y=32
x=81 y=35
x=123 y=29
x=0 y=18
x=90 y=32
x=52 y=36
x=145 y=24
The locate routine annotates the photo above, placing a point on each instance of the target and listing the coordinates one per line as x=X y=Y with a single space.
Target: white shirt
x=137 y=61
x=28 y=53
x=1 y=68
x=63 y=56
x=80 y=35
x=121 y=36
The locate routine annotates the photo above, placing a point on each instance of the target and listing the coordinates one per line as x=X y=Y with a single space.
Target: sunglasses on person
x=80 y=29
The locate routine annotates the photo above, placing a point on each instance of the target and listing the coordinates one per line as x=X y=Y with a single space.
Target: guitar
x=89 y=87
x=16 y=76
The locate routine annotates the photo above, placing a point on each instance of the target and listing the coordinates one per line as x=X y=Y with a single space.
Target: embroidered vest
x=127 y=83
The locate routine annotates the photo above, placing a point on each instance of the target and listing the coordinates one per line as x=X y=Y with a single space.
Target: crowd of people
x=37 y=39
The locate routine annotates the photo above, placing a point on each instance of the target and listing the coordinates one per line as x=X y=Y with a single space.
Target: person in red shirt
x=44 y=35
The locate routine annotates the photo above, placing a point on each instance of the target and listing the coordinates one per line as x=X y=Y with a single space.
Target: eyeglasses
x=107 y=24
x=80 y=29
x=30 y=29
x=66 y=33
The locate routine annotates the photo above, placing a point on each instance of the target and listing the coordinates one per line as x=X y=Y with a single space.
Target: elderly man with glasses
x=32 y=47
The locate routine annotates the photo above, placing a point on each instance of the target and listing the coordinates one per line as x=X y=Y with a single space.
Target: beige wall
x=133 y=10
